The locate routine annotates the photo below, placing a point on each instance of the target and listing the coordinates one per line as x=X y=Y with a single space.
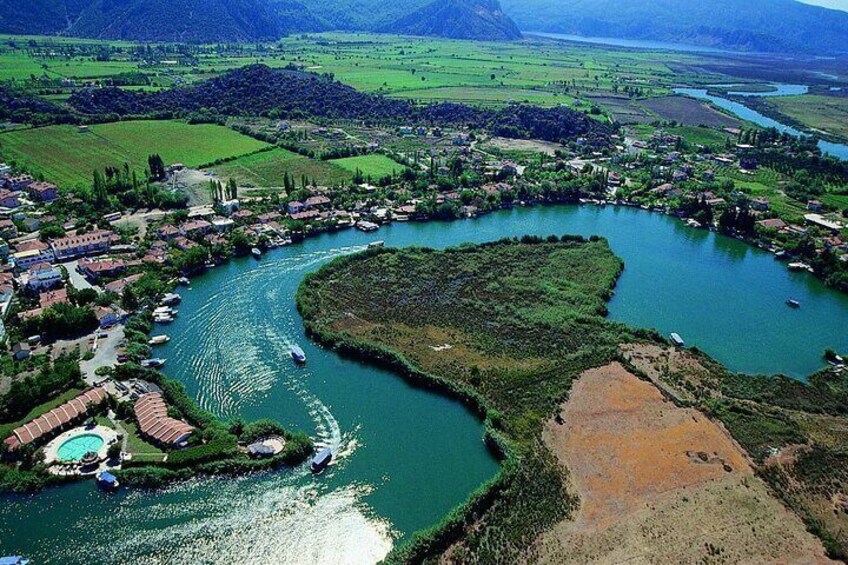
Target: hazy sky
x=836 y=4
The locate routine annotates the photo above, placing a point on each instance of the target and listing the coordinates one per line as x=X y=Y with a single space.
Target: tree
x=156 y=167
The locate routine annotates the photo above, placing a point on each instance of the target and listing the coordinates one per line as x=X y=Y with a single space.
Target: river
x=406 y=456
x=838 y=150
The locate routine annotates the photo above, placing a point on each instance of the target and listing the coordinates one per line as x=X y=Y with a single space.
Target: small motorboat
x=184 y=281
x=256 y=252
x=154 y=363
x=163 y=319
x=14 y=560
x=107 y=481
x=171 y=298
x=677 y=340
x=375 y=244
x=792 y=303
x=159 y=340
x=320 y=461
x=297 y=354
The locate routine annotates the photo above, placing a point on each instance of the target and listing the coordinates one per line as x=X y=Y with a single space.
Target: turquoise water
x=629 y=43
x=838 y=150
x=405 y=456
x=76 y=447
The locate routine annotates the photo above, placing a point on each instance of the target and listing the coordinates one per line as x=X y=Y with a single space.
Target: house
x=229 y=206
x=106 y=317
x=821 y=222
x=195 y=227
x=168 y=232
x=184 y=244
x=42 y=191
x=17 y=183
x=772 y=224
x=9 y=199
x=31 y=223
x=8 y=230
x=295 y=207
x=319 y=201
x=242 y=214
x=43 y=276
x=57 y=418
x=269 y=217
x=222 y=224
x=94 y=270
x=760 y=204
x=119 y=285
x=20 y=351
x=31 y=252
x=93 y=243
x=52 y=298
x=305 y=215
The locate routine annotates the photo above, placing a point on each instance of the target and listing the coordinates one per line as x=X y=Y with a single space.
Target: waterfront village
x=88 y=288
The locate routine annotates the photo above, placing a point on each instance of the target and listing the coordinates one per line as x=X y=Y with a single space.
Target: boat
x=297 y=354
x=677 y=340
x=107 y=481
x=171 y=298
x=163 y=319
x=320 y=461
x=159 y=340
x=367 y=226
x=799 y=267
x=792 y=303
x=256 y=252
x=14 y=560
x=184 y=281
x=154 y=363
x=165 y=311
x=375 y=244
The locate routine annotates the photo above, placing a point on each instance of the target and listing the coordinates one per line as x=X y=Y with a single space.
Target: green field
x=67 y=156
x=823 y=113
x=374 y=165
x=267 y=168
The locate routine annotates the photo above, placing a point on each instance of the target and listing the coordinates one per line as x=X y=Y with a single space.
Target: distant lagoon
x=632 y=43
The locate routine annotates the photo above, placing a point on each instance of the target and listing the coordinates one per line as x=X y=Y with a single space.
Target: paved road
x=106 y=355
x=77 y=280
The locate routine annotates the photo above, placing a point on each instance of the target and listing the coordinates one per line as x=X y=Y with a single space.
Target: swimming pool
x=76 y=447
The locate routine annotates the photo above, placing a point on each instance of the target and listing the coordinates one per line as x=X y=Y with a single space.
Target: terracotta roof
x=153 y=420
x=54 y=419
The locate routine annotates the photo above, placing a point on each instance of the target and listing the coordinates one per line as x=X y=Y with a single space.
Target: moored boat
x=321 y=460
x=154 y=363
x=163 y=319
x=677 y=340
x=171 y=298
x=792 y=303
x=14 y=560
x=375 y=244
x=297 y=354
x=256 y=252
x=159 y=340
x=107 y=481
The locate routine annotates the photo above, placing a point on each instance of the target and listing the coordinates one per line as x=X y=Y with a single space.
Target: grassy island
x=512 y=328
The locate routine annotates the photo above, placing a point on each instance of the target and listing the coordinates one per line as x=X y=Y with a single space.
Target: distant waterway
x=838 y=150
x=404 y=456
x=631 y=43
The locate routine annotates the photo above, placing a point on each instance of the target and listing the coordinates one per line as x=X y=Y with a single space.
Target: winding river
x=406 y=456
x=838 y=150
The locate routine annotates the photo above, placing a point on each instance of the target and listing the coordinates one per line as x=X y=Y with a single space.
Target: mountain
x=458 y=19
x=750 y=25
x=39 y=16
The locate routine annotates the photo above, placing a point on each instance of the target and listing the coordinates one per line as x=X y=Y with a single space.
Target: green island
x=510 y=328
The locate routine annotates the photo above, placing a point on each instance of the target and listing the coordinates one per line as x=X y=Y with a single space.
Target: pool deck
x=51 y=450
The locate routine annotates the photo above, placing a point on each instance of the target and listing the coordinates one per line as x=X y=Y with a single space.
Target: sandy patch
x=660 y=484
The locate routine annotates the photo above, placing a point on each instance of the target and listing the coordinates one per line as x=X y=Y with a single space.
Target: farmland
x=67 y=156
x=374 y=166
x=266 y=169
x=821 y=113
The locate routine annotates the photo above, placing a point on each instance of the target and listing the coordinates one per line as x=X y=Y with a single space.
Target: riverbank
x=513 y=345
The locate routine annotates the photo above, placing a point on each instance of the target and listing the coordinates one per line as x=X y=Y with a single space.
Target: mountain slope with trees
x=458 y=19
x=752 y=25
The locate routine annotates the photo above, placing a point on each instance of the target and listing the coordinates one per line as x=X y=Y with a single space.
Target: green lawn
x=140 y=449
x=826 y=113
x=6 y=429
x=266 y=169
x=67 y=156
x=375 y=165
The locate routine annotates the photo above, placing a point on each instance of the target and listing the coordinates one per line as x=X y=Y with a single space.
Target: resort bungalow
x=154 y=422
x=93 y=243
x=56 y=419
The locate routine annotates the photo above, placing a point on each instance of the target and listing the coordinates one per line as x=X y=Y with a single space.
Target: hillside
x=458 y=19
x=258 y=90
x=750 y=25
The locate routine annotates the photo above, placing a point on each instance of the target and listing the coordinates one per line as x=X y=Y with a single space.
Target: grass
x=267 y=169
x=523 y=319
x=6 y=429
x=67 y=156
x=138 y=447
x=825 y=113
x=373 y=165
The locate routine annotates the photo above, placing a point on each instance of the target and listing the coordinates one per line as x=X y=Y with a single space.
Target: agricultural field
x=374 y=165
x=695 y=135
x=267 y=169
x=827 y=114
x=67 y=155
x=688 y=111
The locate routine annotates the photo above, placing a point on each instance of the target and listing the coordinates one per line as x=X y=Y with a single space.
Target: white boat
x=297 y=354
x=159 y=340
x=165 y=311
x=677 y=340
x=184 y=281
x=170 y=299
x=155 y=363
x=256 y=252
x=375 y=244
x=163 y=319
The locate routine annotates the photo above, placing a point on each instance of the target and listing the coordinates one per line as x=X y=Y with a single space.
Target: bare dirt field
x=660 y=484
x=529 y=145
x=688 y=112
